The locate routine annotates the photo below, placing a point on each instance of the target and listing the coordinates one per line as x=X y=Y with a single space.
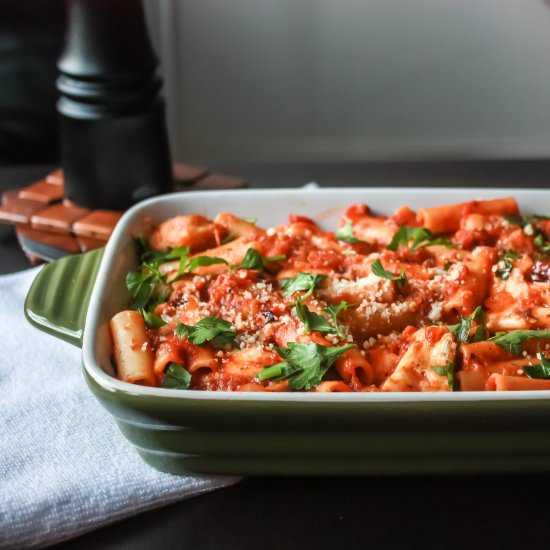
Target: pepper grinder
x=114 y=145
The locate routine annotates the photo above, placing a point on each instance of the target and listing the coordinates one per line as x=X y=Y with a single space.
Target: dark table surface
x=440 y=512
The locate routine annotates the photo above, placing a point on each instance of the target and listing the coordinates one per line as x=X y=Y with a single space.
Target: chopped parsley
x=254 y=260
x=462 y=329
x=176 y=377
x=542 y=244
x=313 y=321
x=505 y=264
x=447 y=370
x=513 y=341
x=345 y=234
x=542 y=370
x=188 y=265
x=302 y=282
x=304 y=365
x=522 y=221
x=378 y=269
x=218 y=332
x=142 y=284
x=420 y=236
x=151 y=320
x=334 y=310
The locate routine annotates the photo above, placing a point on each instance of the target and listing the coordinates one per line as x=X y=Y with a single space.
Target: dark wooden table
x=439 y=512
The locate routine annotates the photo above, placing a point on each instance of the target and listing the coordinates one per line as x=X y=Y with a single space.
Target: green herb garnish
x=151 y=320
x=542 y=370
x=378 y=269
x=155 y=257
x=522 y=221
x=513 y=341
x=462 y=329
x=345 y=234
x=420 y=236
x=507 y=265
x=188 y=265
x=254 y=260
x=302 y=282
x=176 y=377
x=218 y=332
x=142 y=284
x=447 y=370
x=304 y=365
x=313 y=321
x=334 y=310
x=542 y=244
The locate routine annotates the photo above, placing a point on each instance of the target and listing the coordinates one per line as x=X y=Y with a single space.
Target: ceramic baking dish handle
x=57 y=301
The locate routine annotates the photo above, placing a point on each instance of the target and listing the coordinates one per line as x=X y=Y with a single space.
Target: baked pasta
x=453 y=298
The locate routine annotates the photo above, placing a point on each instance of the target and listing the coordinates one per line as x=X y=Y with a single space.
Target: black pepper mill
x=113 y=135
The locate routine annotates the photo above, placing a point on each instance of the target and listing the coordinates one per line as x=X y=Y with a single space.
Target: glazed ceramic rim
x=112 y=384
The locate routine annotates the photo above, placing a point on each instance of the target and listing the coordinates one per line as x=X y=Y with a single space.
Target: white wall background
x=284 y=80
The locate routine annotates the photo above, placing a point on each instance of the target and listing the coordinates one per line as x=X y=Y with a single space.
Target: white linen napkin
x=65 y=469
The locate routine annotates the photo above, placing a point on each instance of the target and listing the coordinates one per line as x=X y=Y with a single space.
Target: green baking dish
x=185 y=431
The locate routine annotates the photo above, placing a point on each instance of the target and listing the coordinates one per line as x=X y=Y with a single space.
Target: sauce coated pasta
x=454 y=298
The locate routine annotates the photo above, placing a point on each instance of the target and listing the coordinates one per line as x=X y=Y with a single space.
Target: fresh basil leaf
x=176 y=377
x=513 y=341
x=304 y=365
x=151 y=320
x=218 y=332
x=313 y=321
x=345 y=234
x=302 y=282
x=420 y=236
x=447 y=370
x=542 y=370
x=378 y=269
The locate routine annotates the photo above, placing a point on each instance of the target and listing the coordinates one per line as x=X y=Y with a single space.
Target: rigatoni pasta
x=453 y=298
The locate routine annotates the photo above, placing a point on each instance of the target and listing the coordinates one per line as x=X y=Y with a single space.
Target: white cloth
x=65 y=469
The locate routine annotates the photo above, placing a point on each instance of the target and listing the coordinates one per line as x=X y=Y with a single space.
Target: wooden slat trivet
x=49 y=226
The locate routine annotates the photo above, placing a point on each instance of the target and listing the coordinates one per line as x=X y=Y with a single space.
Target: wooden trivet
x=49 y=227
